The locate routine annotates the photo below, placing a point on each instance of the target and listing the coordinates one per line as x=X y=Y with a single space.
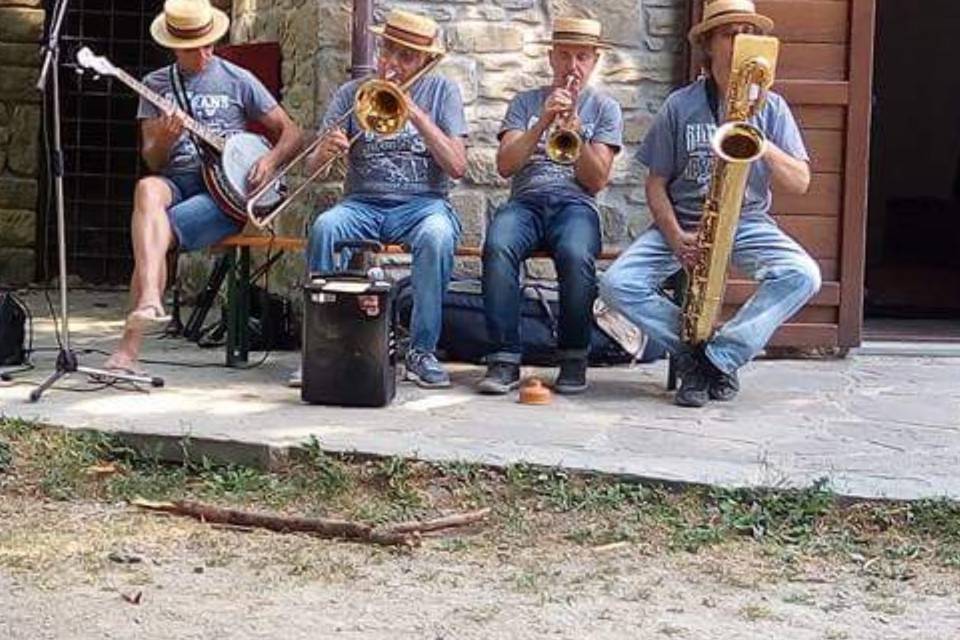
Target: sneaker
x=572 y=378
x=694 y=388
x=295 y=381
x=501 y=378
x=724 y=386
x=424 y=369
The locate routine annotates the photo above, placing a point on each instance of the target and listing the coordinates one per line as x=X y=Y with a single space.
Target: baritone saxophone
x=736 y=144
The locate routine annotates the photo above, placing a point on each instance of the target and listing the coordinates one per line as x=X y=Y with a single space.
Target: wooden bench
x=237 y=249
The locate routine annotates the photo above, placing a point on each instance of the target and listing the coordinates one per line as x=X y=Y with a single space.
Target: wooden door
x=825 y=69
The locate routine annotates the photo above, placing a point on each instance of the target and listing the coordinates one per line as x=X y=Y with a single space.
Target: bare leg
x=152 y=238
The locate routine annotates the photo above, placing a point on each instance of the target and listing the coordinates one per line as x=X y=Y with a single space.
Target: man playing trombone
x=557 y=143
x=396 y=187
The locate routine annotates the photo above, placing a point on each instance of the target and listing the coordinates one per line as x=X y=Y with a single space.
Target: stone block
x=18 y=193
x=514 y=5
x=21 y=24
x=504 y=86
x=471 y=207
x=463 y=71
x=19 y=54
x=635 y=126
x=484 y=12
x=666 y=21
x=18 y=84
x=22 y=154
x=16 y=266
x=481 y=37
x=630 y=67
x=17 y=227
x=482 y=167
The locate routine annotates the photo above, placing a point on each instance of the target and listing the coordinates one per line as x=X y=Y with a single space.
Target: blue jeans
x=788 y=277
x=428 y=226
x=570 y=231
x=194 y=216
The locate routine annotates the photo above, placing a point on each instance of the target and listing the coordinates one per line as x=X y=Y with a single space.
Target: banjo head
x=240 y=152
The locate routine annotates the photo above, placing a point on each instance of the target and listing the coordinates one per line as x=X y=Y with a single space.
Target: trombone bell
x=380 y=107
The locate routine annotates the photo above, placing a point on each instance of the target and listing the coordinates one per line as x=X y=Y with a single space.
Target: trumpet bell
x=564 y=146
x=380 y=107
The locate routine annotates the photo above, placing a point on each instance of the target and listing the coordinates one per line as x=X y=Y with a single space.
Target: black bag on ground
x=13 y=330
x=464 y=337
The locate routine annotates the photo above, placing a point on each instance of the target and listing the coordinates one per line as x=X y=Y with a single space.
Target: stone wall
x=21 y=28
x=495 y=49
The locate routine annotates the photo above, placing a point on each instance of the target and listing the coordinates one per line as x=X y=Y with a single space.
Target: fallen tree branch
x=325 y=528
x=446 y=522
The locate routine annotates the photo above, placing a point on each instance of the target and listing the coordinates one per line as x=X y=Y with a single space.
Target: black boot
x=572 y=378
x=695 y=381
x=723 y=386
x=501 y=378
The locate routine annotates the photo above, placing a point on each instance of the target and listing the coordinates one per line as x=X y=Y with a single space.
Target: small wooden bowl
x=533 y=391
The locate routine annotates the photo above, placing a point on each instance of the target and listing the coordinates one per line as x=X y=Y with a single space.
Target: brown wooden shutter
x=825 y=70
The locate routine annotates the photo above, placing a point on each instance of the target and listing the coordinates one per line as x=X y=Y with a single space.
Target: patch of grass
x=397 y=475
x=532 y=505
x=329 y=476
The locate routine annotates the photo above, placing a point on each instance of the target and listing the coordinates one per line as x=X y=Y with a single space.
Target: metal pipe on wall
x=361 y=43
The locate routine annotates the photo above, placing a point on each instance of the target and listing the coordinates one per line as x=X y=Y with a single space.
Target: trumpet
x=564 y=143
x=380 y=107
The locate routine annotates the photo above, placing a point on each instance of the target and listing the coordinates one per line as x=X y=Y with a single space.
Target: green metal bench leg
x=238 y=306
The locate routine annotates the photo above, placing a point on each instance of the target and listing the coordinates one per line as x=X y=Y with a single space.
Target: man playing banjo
x=173 y=207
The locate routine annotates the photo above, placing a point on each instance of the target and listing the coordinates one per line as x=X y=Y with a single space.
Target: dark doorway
x=99 y=132
x=913 y=230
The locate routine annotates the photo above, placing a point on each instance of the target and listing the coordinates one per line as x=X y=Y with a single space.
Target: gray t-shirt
x=677 y=148
x=601 y=121
x=223 y=96
x=400 y=166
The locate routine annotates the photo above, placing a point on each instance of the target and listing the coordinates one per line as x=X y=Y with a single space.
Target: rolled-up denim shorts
x=196 y=219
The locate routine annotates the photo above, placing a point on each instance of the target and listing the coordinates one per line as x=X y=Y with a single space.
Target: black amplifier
x=349 y=347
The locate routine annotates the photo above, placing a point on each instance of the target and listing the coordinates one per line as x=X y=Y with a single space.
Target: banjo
x=235 y=154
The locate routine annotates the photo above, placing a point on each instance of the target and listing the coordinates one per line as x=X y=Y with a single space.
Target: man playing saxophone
x=557 y=143
x=396 y=186
x=679 y=157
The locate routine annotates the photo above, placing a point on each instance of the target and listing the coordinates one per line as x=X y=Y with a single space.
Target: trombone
x=564 y=143
x=380 y=107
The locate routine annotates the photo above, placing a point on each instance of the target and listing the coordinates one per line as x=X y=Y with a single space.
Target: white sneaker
x=295 y=380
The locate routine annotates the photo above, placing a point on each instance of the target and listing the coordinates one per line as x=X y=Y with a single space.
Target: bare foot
x=146 y=317
x=121 y=361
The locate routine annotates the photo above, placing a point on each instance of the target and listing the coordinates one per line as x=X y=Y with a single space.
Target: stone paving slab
x=873 y=426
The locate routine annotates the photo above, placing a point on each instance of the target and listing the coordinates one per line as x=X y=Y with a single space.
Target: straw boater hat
x=411 y=30
x=720 y=12
x=186 y=24
x=580 y=31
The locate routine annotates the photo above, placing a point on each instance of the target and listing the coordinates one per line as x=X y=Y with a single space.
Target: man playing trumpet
x=396 y=187
x=678 y=152
x=557 y=143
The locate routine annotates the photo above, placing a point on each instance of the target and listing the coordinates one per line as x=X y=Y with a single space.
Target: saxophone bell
x=738 y=141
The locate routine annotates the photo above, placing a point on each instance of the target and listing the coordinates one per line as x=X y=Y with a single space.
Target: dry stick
x=446 y=522
x=322 y=527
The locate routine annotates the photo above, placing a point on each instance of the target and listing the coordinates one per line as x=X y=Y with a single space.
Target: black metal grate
x=100 y=137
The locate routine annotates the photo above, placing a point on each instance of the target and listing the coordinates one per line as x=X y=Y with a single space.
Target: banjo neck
x=167 y=106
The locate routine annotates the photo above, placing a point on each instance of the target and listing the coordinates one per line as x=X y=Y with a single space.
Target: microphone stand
x=67 y=362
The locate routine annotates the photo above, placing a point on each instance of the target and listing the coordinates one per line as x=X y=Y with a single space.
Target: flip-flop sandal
x=106 y=377
x=151 y=317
